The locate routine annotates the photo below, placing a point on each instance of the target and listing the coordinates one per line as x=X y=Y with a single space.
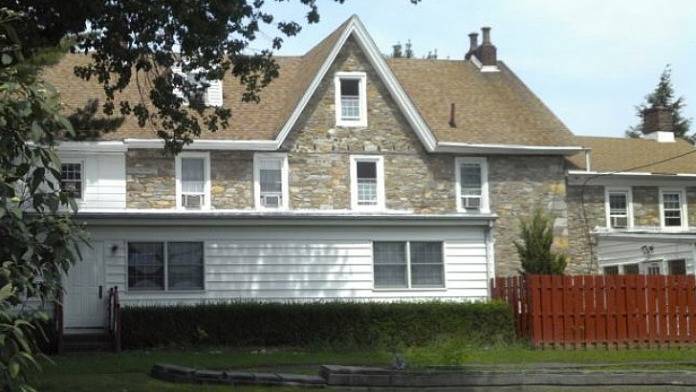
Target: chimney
x=657 y=124
x=473 y=45
x=487 y=52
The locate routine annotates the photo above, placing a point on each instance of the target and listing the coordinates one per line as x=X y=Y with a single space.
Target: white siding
x=621 y=250
x=105 y=180
x=299 y=263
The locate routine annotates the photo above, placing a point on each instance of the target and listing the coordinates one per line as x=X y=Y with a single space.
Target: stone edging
x=181 y=374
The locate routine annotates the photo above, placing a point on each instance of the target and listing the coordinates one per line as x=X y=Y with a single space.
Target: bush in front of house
x=535 y=246
x=336 y=324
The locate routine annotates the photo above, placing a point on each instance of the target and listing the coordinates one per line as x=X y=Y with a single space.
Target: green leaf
x=6 y=291
x=14 y=369
x=36 y=131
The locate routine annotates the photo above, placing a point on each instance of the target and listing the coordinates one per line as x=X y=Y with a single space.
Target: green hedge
x=328 y=323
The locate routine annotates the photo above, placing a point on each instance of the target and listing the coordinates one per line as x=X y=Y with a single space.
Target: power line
x=584 y=186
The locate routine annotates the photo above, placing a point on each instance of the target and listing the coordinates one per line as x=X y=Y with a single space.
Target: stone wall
x=582 y=245
x=319 y=152
x=150 y=179
x=518 y=186
x=232 y=179
x=646 y=206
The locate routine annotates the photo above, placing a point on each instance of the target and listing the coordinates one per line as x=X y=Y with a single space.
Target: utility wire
x=584 y=186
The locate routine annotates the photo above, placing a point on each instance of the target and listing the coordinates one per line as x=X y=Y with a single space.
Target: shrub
x=335 y=324
x=535 y=247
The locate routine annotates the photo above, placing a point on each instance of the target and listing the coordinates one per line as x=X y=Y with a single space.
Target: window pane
x=146 y=265
x=612 y=270
x=367 y=183
x=654 y=269
x=350 y=87
x=426 y=264
x=631 y=269
x=677 y=267
x=390 y=264
x=71 y=179
x=192 y=175
x=270 y=180
x=671 y=200
x=185 y=265
x=470 y=185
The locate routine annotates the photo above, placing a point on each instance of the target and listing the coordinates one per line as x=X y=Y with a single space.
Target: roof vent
x=658 y=124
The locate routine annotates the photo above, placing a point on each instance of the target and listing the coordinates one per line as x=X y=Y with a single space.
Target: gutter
x=513 y=149
x=253 y=218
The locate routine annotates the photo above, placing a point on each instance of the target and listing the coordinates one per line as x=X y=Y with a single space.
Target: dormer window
x=351 y=99
x=193 y=180
x=271 y=181
x=212 y=94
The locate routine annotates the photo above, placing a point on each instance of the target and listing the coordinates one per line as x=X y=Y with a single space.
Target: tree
x=39 y=240
x=535 y=246
x=663 y=95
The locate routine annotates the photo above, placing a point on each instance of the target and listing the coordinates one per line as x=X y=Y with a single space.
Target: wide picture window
x=408 y=264
x=159 y=266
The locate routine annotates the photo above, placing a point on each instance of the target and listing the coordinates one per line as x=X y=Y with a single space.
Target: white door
x=85 y=301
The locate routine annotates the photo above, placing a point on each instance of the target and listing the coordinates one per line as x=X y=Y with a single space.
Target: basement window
x=351 y=99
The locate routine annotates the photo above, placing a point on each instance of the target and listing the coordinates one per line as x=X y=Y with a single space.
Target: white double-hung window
x=618 y=207
x=673 y=209
x=193 y=180
x=72 y=178
x=367 y=182
x=271 y=181
x=351 y=99
x=472 y=184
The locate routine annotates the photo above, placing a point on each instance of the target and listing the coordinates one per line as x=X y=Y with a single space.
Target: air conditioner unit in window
x=194 y=202
x=473 y=203
x=619 y=222
x=270 y=201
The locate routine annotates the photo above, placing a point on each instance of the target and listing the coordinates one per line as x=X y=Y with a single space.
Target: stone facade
x=646 y=206
x=518 y=186
x=150 y=179
x=581 y=244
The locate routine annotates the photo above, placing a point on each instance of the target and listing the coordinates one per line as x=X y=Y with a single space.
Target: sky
x=590 y=61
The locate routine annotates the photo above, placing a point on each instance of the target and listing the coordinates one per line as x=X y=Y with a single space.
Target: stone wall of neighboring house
x=691 y=205
x=518 y=186
x=319 y=152
x=582 y=245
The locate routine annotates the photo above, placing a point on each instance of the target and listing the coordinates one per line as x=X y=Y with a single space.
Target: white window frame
x=165 y=261
x=83 y=177
x=379 y=160
x=483 y=164
x=206 y=176
x=409 y=284
x=362 y=78
x=258 y=157
x=684 y=212
x=629 y=206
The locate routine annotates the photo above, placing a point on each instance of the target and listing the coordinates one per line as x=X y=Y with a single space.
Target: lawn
x=129 y=371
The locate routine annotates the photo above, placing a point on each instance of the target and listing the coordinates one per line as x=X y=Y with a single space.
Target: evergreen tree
x=535 y=245
x=409 y=50
x=663 y=95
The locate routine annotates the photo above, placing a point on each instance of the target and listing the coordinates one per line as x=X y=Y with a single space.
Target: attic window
x=211 y=95
x=351 y=99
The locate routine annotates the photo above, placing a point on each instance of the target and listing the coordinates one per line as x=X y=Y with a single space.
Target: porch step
x=99 y=341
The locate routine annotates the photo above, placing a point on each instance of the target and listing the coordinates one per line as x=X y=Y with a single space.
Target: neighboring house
x=640 y=200
x=356 y=177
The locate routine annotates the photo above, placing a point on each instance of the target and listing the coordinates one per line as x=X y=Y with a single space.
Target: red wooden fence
x=610 y=310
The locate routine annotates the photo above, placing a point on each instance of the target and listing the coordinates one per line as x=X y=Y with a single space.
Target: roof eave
x=507 y=149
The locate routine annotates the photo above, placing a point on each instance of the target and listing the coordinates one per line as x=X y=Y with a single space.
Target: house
x=356 y=177
x=638 y=195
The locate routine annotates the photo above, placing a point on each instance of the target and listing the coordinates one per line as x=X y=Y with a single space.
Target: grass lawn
x=129 y=371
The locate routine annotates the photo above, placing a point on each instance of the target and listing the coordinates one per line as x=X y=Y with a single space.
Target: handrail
x=58 y=319
x=115 y=318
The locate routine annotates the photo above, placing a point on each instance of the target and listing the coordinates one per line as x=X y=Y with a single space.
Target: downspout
x=490 y=257
x=588 y=160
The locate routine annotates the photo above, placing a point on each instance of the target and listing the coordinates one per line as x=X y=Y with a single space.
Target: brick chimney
x=657 y=124
x=487 y=52
x=473 y=45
